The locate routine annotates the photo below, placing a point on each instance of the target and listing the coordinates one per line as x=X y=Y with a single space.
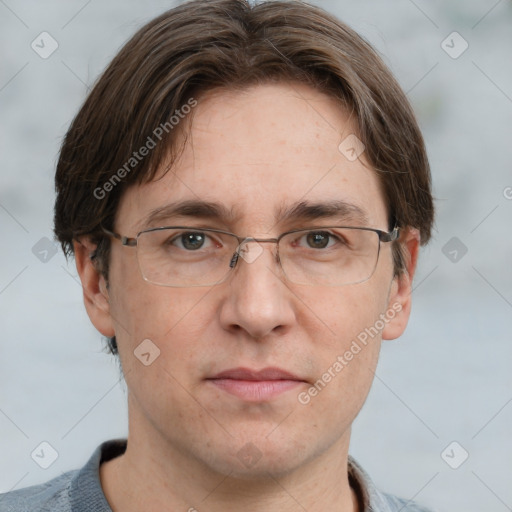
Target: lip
x=255 y=385
x=270 y=373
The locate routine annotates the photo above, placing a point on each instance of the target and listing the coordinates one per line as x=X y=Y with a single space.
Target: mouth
x=255 y=385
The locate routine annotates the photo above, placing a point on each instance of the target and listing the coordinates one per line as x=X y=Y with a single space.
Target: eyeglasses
x=183 y=256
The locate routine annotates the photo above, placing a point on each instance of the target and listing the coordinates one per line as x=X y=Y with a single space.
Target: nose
x=257 y=300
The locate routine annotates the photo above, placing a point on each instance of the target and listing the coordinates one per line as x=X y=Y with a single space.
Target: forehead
x=258 y=154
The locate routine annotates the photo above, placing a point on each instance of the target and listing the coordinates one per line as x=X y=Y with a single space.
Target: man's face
x=253 y=152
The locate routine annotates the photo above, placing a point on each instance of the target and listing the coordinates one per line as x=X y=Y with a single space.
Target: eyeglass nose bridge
x=250 y=258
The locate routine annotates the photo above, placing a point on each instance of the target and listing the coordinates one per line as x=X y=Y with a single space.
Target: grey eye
x=191 y=241
x=318 y=239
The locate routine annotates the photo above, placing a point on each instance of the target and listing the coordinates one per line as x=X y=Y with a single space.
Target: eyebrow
x=334 y=209
x=301 y=210
x=189 y=208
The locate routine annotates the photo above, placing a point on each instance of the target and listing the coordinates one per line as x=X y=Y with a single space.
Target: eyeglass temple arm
x=131 y=242
x=391 y=236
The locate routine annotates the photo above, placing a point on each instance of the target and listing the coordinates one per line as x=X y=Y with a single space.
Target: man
x=245 y=191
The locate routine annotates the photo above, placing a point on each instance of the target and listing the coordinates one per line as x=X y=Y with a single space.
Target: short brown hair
x=206 y=44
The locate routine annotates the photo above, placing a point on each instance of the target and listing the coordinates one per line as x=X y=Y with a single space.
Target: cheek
x=341 y=314
x=141 y=310
x=344 y=354
x=167 y=324
x=345 y=334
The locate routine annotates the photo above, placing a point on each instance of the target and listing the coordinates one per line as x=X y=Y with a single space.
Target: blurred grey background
x=446 y=381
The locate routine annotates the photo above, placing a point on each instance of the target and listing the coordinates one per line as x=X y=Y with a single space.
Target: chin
x=258 y=458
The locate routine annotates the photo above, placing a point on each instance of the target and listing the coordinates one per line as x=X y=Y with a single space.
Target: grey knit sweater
x=80 y=490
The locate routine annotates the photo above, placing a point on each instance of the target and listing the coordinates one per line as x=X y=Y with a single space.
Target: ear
x=399 y=303
x=94 y=287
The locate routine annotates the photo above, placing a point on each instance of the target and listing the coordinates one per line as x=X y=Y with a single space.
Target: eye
x=190 y=240
x=319 y=239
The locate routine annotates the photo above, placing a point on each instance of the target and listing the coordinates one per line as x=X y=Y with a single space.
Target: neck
x=155 y=474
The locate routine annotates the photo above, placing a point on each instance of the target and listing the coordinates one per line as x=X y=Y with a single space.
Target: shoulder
x=395 y=503
x=53 y=496
x=78 y=490
x=374 y=500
